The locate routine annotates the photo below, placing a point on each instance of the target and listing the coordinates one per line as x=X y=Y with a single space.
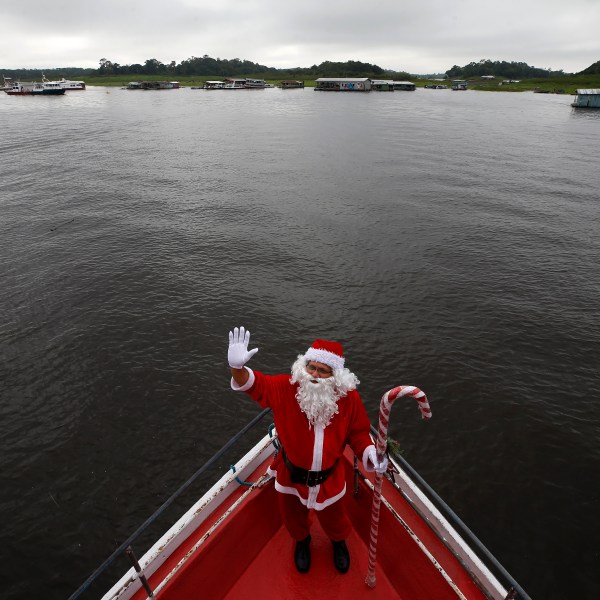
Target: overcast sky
x=417 y=36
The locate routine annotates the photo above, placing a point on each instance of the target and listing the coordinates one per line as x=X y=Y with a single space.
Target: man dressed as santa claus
x=317 y=411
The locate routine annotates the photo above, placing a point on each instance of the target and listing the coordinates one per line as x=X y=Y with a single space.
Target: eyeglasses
x=319 y=370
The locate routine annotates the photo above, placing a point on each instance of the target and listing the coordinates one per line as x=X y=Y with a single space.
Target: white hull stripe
x=422 y=546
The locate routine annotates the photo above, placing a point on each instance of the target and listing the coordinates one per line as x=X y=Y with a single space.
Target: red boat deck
x=272 y=574
x=250 y=554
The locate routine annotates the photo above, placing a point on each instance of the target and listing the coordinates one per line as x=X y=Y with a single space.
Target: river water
x=448 y=239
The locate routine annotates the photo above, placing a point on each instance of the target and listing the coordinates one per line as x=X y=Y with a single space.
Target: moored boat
x=33 y=88
x=231 y=543
x=68 y=85
x=255 y=84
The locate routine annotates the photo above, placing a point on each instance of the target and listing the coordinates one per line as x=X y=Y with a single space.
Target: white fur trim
x=325 y=357
x=284 y=489
x=365 y=459
x=247 y=385
x=317 y=463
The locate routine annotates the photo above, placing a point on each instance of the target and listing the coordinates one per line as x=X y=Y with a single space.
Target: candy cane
x=384 y=417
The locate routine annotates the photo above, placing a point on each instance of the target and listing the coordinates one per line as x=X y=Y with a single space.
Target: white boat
x=67 y=84
x=255 y=84
x=33 y=88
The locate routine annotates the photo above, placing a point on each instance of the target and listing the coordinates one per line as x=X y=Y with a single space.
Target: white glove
x=238 y=354
x=371 y=463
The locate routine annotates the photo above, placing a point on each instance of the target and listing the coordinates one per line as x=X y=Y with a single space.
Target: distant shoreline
x=562 y=85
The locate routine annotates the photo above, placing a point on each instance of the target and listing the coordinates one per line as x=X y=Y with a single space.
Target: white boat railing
x=123 y=548
x=430 y=506
x=478 y=560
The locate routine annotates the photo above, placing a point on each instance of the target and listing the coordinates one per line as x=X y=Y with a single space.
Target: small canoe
x=231 y=543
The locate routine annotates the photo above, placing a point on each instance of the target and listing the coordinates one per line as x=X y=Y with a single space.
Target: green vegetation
x=507 y=70
x=520 y=77
x=563 y=84
x=57 y=73
x=219 y=68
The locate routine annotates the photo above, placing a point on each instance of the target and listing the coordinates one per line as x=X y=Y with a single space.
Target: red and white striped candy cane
x=384 y=418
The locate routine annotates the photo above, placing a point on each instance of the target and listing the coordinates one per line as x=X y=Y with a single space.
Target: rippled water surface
x=448 y=240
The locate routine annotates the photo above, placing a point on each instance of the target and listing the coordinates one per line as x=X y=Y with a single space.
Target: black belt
x=304 y=477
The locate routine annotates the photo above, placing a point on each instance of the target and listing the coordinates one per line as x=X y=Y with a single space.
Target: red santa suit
x=313 y=448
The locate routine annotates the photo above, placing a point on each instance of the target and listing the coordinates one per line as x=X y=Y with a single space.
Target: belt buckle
x=311 y=476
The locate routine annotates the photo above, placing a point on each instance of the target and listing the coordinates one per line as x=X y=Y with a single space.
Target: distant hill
x=509 y=70
x=592 y=69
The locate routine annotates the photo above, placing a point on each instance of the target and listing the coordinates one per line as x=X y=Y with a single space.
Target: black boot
x=341 y=556
x=302 y=555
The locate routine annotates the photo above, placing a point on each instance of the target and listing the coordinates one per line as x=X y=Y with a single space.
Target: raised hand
x=238 y=354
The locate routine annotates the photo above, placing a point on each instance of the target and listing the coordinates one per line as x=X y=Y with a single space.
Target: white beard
x=318 y=397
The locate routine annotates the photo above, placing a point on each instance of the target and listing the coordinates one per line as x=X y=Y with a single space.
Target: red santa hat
x=328 y=353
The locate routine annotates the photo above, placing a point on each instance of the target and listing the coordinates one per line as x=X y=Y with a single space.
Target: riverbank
x=567 y=84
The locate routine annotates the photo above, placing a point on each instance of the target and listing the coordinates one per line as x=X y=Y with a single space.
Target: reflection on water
x=447 y=240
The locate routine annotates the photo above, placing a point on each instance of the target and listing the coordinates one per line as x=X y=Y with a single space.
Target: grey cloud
x=417 y=36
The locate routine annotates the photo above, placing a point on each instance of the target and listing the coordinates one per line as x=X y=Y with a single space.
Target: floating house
x=382 y=85
x=213 y=84
x=459 y=84
x=405 y=86
x=232 y=83
x=587 y=99
x=153 y=85
x=290 y=84
x=343 y=84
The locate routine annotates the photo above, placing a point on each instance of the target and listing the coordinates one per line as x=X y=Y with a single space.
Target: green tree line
x=217 y=67
x=207 y=66
x=56 y=73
